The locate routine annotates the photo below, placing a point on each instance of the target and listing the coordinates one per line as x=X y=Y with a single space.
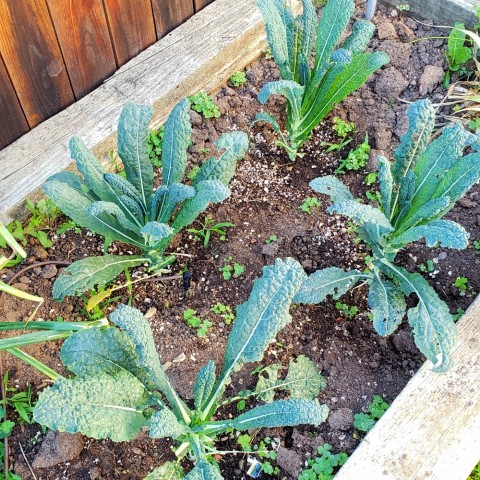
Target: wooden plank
x=441 y=12
x=170 y=14
x=201 y=54
x=33 y=59
x=132 y=27
x=200 y=4
x=432 y=429
x=82 y=32
x=13 y=123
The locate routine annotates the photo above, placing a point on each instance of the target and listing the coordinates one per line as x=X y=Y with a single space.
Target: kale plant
x=313 y=88
x=417 y=190
x=121 y=387
x=128 y=209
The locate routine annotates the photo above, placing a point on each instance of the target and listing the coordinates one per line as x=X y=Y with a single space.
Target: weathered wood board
x=432 y=429
x=201 y=54
x=442 y=12
x=168 y=15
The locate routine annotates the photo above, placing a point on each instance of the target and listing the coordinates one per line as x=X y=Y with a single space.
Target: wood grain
x=132 y=27
x=33 y=59
x=13 y=123
x=199 y=4
x=445 y=12
x=218 y=41
x=170 y=14
x=432 y=429
x=82 y=31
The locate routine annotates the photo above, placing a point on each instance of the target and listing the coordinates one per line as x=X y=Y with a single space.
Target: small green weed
x=365 y=421
x=325 y=465
x=429 y=266
x=342 y=129
x=475 y=475
x=155 y=143
x=6 y=427
x=370 y=178
x=225 y=311
x=350 y=312
x=456 y=316
x=308 y=204
x=458 y=52
x=43 y=215
x=403 y=7
x=68 y=225
x=238 y=79
x=271 y=239
x=20 y=402
x=357 y=158
x=461 y=283
x=231 y=269
x=476 y=245
x=202 y=326
x=204 y=104
x=208 y=227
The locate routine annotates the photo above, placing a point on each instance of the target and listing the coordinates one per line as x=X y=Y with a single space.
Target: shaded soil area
x=267 y=192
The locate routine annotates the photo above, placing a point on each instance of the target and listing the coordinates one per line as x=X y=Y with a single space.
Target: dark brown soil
x=266 y=194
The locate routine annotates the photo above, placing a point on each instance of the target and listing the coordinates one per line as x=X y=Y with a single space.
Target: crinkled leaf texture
x=90 y=272
x=204 y=384
x=264 y=314
x=434 y=331
x=282 y=413
x=329 y=281
x=442 y=233
x=388 y=305
x=133 y=148
x=204 y=471
x=333 y=187
x=167 y=471
x=303 y=379
x=100 y=406
x=164 y=424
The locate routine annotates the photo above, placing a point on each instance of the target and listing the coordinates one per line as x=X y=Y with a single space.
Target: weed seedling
x=271 y=239
x=370 y=178
x=43 y=215
x=357 y=158
x=365 y=421
x=350 y=312
x=342 y=129
x=429 y=266
x=325 y=465
x=155 y=142
x=403 y=7
x=456 y=316
x=238 y=79
x=231 y=269
x=199 y=324
x=308 y=204
x=208 y=227
x=21 y=402
x=204 y=104
x=225 y=311
x=476 y=245
x=462 y=284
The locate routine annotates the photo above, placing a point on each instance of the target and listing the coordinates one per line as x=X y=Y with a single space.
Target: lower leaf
x=103 y=406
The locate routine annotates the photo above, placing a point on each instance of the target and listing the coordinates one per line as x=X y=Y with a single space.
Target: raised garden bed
x=267 y=193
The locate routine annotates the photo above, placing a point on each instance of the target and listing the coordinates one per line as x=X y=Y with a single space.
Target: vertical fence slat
x=170 y=14
x=12 y=120
x=199 y=4
x=84 y=38
x=131 y=25
x=33 y=59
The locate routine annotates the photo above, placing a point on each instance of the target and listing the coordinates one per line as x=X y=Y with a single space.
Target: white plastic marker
x=371 y=6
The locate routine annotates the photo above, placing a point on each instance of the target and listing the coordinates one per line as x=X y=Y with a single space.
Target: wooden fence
x=53 y=52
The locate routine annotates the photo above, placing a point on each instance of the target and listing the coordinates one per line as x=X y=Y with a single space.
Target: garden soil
x=267 y=192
